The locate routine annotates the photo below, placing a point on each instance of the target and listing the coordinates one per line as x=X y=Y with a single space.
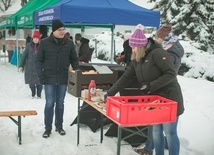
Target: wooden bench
x=24 y=113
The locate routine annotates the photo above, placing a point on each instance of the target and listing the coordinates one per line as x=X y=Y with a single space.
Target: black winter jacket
x=127 y=52
x=53 y=60
x=84 y=51
x=156 y=70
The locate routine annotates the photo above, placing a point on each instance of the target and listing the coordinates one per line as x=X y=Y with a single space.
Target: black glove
x=145 y=88
x=105 y=97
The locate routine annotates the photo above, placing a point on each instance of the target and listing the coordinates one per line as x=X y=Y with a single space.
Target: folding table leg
x=101 y=132
x=78 y=122
x=119 y=133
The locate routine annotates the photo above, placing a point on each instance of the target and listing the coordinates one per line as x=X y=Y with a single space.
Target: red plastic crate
x=141 y=110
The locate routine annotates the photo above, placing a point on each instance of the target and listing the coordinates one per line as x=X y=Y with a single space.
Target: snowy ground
x=195 y=126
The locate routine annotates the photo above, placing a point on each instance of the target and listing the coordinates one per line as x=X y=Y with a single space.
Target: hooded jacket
x=176 y=52
x=84 y=50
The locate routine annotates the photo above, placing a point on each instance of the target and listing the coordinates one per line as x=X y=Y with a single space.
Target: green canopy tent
x=26 y=19
x=23 y=18
x=11 y=21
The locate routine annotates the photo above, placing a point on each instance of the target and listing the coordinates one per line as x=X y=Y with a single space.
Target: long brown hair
x=141 y=51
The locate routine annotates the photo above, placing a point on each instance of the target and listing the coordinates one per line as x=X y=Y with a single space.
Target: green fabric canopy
x=26 y=19
x=24 y=16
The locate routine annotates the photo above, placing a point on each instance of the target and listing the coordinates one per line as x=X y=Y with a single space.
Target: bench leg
x=19 y=130
x=18 y=123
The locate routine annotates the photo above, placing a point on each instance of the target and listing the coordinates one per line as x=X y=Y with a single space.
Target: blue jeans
x=149 y=145
x=170 y=130
x=149 y=142
x=54 y=95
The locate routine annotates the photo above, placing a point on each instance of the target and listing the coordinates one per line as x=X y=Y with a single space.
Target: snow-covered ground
x=195 y=125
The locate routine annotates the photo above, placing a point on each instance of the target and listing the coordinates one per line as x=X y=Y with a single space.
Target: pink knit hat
x=138 y=38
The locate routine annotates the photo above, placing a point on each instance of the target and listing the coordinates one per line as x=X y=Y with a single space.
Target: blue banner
x=46 y=16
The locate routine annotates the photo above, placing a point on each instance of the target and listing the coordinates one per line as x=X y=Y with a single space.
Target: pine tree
x=193 y=19
x=210 y=23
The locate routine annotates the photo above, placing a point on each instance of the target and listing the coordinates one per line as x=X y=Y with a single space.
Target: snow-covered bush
x=103 y=45
x=199 y=64
x=195 y=62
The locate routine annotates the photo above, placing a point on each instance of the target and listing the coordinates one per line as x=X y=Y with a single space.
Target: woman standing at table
x=154 y=69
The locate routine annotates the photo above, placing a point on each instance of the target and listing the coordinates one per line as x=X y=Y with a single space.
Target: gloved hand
x=145 y=88
x=105 y=97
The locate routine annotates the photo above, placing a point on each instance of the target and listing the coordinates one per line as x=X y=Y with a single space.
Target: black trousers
x=10 y=54
x=36 y=89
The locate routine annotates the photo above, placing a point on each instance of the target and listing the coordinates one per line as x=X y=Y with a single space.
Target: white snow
x=195 y=127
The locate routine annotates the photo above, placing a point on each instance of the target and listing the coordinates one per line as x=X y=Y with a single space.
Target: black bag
x=91 y=117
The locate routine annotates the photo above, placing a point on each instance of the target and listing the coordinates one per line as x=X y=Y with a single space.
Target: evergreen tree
x=193 y=19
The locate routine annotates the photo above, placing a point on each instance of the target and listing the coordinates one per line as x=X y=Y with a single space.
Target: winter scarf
x=170 y=39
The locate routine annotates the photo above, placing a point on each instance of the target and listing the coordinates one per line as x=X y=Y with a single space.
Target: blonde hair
x=141 y=51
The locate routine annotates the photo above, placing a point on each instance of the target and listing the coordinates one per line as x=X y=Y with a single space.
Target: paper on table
x=102 y=69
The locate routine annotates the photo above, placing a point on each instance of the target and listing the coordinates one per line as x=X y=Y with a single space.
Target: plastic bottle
x=91 y=89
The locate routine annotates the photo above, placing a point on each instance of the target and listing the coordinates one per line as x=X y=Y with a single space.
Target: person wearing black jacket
x=84 y=51
x=54 y=56
x=154 y=69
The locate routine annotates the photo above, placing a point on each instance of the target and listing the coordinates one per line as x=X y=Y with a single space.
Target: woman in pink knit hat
x=171 y=44
x=154 y=69
x=27 y=64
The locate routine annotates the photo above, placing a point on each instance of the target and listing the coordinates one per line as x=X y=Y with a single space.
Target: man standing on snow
x=55 y=54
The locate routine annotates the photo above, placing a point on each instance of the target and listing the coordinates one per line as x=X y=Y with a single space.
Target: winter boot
x=47 y=133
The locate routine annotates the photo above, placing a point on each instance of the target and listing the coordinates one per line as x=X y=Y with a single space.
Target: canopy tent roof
x=10 y=22
x=24 y=16
x=97 y=12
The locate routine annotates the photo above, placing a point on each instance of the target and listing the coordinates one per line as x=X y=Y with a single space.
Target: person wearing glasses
x=55 y=55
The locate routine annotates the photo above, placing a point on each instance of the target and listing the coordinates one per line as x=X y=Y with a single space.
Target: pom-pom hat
x=36 y=34
x=163 y=31
x=56 y=24
x=138 y=38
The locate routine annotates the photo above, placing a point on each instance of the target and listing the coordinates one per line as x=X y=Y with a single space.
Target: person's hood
x=84 y=40
x=152 y=44
x=176 y=49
